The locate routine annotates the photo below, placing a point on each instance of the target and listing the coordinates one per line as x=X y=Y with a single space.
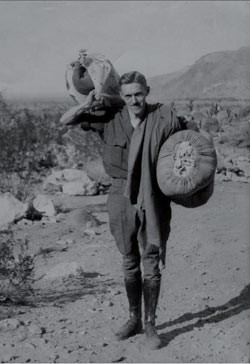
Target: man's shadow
x=208 y=316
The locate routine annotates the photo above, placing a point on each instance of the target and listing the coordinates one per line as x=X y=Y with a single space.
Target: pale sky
x=39 y=38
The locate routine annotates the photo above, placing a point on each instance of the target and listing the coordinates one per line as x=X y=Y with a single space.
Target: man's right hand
x=91 y=98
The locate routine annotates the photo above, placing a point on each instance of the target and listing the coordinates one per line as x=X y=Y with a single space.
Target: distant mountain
x=214 y=76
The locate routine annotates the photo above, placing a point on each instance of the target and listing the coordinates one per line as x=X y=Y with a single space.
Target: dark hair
x=133 y=77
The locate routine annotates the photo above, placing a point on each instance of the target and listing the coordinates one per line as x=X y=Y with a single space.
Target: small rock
x=90 y=232
x=70 y=241
x=64 y=269
x=11 y=209
x=242 y=159
x=118 y=360
x=35 y=330
x=44 y=205
x=29 y=346
x=5 y=227
x=21 y=335
x=89 y=224
x=92 y=310
x=61 y=242
x=49 y=220
x=229 y=176
x=84 y=332
x=25 y=222
x=9 y=324
x=108 y=303
x=60 y=217
x=114 y=292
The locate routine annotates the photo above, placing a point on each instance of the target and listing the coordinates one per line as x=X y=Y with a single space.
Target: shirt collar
x=135 y=121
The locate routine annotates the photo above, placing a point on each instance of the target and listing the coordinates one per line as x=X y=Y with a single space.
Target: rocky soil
x=79 y=299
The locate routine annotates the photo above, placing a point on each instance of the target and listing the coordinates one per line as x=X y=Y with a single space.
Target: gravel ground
x=79 y=300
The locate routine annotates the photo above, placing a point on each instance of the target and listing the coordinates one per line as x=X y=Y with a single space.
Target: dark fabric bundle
x=186 y=167
x=85 y=84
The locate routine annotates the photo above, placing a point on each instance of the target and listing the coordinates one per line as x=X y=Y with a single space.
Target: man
x=139 y=214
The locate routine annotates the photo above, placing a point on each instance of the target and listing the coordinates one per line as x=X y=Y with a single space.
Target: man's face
x=134 y=95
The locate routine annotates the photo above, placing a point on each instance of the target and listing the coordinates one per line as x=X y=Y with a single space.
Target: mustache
x=136 y=104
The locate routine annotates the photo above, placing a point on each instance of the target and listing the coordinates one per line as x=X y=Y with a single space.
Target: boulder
x=44 y=205
x=12 y=209
x=80 y=188
x=55 y=178
x=73 y=182
x=82 y=218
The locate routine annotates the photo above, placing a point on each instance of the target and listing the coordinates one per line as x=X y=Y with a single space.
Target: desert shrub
x=5 y=111
x=238 y=136
x=87 y=145
x=21 y=153
x=210 y=125
x=32 y=141
x=16 y=268
x=244 y=112
x=27 y=139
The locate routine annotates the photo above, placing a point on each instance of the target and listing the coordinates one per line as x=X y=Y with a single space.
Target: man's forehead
x=132 y=87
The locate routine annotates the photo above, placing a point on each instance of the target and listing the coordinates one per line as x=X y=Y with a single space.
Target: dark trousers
x=127 y=225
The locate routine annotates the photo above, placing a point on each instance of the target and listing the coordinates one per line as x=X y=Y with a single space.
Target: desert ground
x=79 y=299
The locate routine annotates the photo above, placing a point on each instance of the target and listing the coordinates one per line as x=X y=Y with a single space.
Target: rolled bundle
x=87 y=85
x=94 y=73
x=186 y=167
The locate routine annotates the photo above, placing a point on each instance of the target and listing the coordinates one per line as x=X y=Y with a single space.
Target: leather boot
x=134 y=325
x=151 y=291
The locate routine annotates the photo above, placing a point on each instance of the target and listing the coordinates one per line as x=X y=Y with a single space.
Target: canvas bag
x=106 y=85
x=102 y=73
x=186 y=167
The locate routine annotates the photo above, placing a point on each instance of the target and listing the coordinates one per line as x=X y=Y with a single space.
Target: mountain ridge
x=219 y=75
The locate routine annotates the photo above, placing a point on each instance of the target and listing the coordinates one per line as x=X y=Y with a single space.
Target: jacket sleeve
x=171 y=122
x=97 y=127
x=96 y=121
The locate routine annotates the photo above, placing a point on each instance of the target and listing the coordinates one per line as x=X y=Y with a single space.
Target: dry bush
x=244 y=112
x=33 y=141
x=26 y=138
x=16 y=268
x=24 y=150
x=236 y=136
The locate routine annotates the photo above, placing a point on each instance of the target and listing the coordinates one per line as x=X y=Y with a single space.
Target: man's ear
x=148 y=90
x=121 y=95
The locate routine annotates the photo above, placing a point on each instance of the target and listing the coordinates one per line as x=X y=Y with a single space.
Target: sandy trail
x=204 y=307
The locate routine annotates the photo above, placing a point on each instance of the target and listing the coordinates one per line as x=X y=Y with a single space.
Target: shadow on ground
x=73 y=290
x=208 y=316
x=61 y=291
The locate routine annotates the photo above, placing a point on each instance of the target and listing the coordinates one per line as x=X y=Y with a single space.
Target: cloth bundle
x=72 y=90
x=186 y=167
x=101 y=77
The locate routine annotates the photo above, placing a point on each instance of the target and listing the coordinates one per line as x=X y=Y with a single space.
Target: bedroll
x=186 y=167
x=99 y=76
